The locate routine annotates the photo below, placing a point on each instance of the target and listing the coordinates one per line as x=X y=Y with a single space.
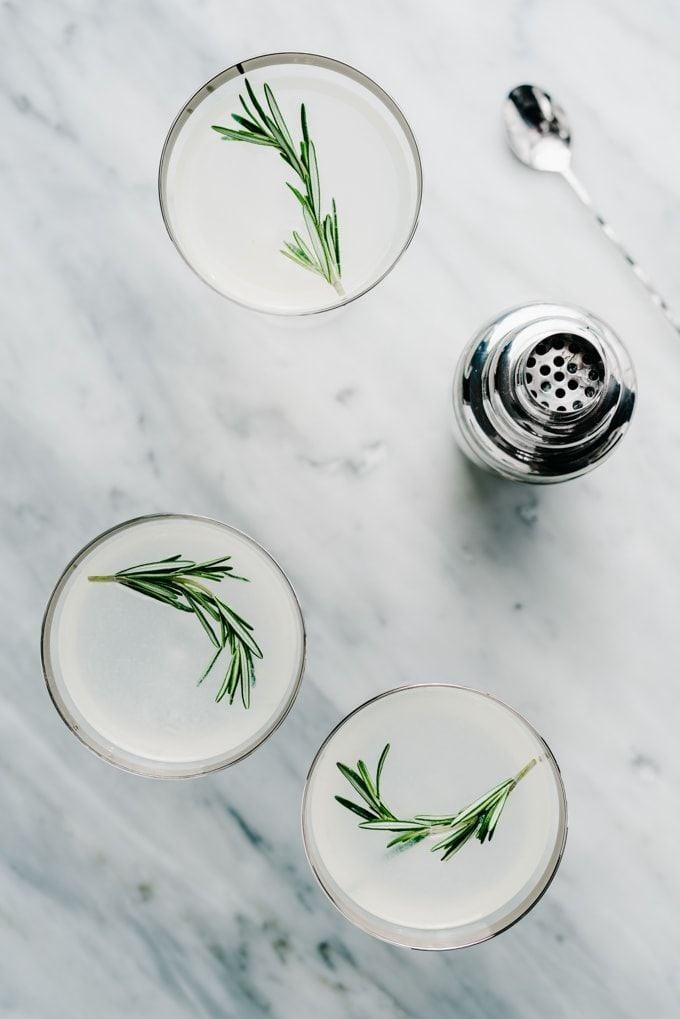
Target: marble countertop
x=129 y=387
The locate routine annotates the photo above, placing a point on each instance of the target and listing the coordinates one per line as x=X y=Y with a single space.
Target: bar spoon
x=540 y=137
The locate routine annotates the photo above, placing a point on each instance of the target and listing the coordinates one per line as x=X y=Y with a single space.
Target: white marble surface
x=129 y=387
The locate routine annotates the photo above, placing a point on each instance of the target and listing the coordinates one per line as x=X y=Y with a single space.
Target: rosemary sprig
x=262 y=126
x=177 y=582
x=478 y=819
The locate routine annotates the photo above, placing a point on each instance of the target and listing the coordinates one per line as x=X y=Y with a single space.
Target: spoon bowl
x=537 y=129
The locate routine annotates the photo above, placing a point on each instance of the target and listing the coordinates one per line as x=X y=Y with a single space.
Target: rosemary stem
x=477 y=820
x=260 y=128
x=525 y=771
x=174 y=582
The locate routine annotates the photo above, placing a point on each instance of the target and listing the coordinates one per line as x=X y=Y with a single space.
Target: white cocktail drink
x=448 y=747
x=124 y=668
x=228 y=207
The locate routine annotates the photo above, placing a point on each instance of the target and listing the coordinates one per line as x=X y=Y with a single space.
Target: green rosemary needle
x=262 y=126
x=478 y=819
x=178 y=582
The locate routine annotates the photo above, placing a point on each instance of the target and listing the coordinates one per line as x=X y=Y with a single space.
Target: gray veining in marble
x=129 y=387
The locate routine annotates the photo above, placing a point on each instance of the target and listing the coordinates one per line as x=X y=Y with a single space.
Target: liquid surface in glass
x=127 y=667
x=449 y=746
x=230 y=211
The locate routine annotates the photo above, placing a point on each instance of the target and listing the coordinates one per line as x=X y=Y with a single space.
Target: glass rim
x=136 y=764
x=532 y=897
x=273 y=59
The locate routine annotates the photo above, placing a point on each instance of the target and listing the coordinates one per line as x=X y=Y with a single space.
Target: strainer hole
x=558 y=343
x=559 y=376
x=593 y=375
x=531 y=361
x=545 y=369
x=529 y=377
x=541 y=349
x=572 y=368
x=545 y=386
x=558 y=361
x=590 y=392
x=577 y=404
x=559 y=393
x=572 y=383
x=561 y=407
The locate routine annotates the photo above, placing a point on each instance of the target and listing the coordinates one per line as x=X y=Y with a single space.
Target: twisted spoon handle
x=579 y=190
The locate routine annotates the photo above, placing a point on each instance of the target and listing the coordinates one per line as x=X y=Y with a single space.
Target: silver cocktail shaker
x=543 y=393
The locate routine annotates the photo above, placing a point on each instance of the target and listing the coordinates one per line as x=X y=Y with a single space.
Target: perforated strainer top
x=564 y=373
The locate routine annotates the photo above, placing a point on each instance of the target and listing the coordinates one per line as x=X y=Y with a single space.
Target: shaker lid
x=547 y=392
